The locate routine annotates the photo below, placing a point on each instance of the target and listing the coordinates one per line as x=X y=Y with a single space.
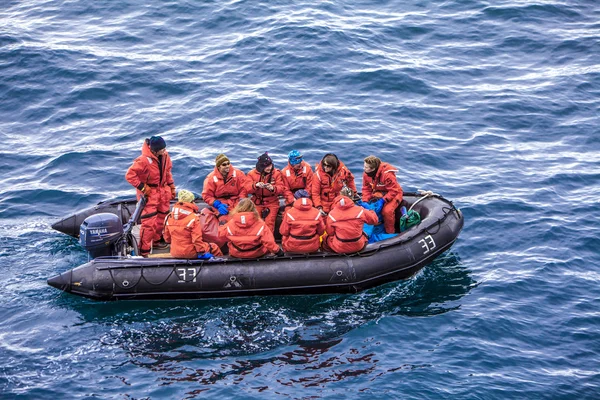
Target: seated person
x=380 y=183
x=184 y=231
x=330 y=176
x=302 y=225
x=297 y=175
x=344 y=226
x=265 y=184
x=224 y=187
x=247 y=235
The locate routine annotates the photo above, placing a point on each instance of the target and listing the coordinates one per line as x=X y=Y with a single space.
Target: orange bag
x=210 y=227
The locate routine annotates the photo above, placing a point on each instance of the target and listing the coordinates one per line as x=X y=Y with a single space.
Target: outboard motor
x=100 y=233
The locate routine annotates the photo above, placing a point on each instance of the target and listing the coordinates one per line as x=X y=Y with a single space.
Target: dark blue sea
x=493 y=104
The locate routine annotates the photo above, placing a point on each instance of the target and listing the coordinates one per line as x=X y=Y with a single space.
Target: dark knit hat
x=221 y=158
x=157 y=143
x=263 y=162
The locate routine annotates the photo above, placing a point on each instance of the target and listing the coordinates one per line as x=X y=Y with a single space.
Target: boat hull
x=112 y=278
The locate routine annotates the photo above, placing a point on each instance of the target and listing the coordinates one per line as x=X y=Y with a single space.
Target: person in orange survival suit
x=151 y=175
x=344 y=226
x=297 y=175
x=265 y=183
x=379 y=181
x=331 y=175
x=247 y=235
x=184 y=230
x=302 y=225
x=224 y=187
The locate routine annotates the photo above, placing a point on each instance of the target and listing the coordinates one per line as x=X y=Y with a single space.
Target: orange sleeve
x=200 y=245
x=350 y=181
x=316 y=191
x=329 y=226
x=241 y=181
x=170 y=180
x=367 y=191
x=133 y=173
x=280 y=187
x=369 y=217
x=392 y=186
x=320 y=226
x=208 y=190
x=284 y=228
x=167 y=231
x=249 y=184
x=267 y=239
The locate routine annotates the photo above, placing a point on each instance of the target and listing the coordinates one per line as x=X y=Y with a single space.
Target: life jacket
x=150 y=170
x=326 y=188
x=344 y=225
x=384 y=182
x=301 y=227
x=263 y=196
x=227 y=190
x=184 y=231
x=248 y=236
x=297 y=179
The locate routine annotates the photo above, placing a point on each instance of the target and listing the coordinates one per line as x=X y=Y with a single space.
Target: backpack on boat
x=210 y=227
x=409 y=218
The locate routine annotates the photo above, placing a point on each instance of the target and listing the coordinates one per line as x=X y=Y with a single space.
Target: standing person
x=247 y=234
x=302 y=225
x=184 y=230
x=345 y=226
x=151 y=175
x=379 y=181
x=331 y=175
x=297 y=175
x=224 y=187
x=265 y=183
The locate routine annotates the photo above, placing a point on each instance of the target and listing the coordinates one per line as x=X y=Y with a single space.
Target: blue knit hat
x=295 y=157
x=298 y=194
x=157 y=143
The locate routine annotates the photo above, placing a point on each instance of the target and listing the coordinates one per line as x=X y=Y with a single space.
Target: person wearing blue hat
x=151 y=175
x=297 y=175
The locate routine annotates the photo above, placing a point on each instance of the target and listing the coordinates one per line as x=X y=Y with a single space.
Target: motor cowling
x=99 y=234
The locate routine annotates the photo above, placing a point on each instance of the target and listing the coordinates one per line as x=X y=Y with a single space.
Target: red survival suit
x=301 y=227
x=345 y=226
x=248 y=236
x=227 y=190
x=264 y=198
x=184 y=231
x=326 y=188
x=384 y=182
x=296 y=179
x=149 y=170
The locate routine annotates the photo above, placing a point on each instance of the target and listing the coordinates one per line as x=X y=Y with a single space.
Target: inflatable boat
x=114 y=274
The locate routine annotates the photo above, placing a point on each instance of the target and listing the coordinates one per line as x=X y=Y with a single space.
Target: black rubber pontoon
x=119 y=278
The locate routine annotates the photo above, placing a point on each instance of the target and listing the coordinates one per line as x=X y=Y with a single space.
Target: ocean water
x=494 y=105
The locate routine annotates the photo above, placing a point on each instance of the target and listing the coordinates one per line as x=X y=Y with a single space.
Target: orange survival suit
x=155 y=172
x=248 y=236
x=301 y=227
x=184 y=231
x=228 y=190
x=326 y=188
x=264 y=198
x=296 y=179
x=384 y=181
x=345 y=226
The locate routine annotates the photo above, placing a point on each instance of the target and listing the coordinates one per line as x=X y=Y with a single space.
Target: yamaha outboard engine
x=100 y=233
